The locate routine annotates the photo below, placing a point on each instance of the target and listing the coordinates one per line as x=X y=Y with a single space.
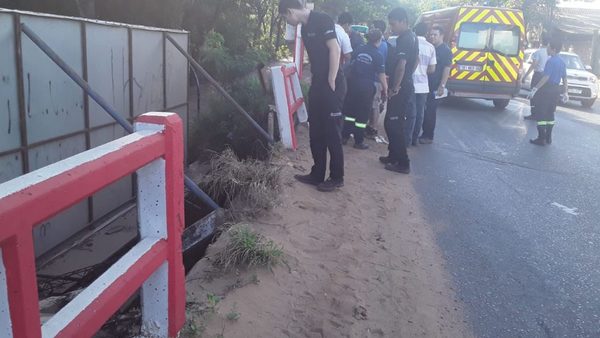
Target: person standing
x=367 y=68
x=324 y=97
x=427 y=64
x=538 y=62
x=402 y=60
x=437 y=82
x=548 y=92
x=378 y=106
x=356 y=40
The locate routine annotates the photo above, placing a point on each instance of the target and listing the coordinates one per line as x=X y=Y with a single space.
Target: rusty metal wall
x=45 y=117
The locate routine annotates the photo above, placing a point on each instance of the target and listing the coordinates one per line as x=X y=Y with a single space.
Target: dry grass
x=247 y=187
x=246 y=247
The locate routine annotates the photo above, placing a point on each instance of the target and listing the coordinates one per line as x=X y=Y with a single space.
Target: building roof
x=578 y=20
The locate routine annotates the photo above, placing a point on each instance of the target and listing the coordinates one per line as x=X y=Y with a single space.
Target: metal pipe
x=197 y=91
x=214 y=82
x=193 y=187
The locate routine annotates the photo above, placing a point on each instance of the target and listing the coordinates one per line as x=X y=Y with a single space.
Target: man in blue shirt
x=548 y=92
x=366 y=68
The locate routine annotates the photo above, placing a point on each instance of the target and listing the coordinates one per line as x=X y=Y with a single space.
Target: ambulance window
x=505 y=40
x=473 y=35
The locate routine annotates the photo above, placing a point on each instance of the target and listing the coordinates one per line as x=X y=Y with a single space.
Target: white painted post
x=152 y=222
x=5 y=321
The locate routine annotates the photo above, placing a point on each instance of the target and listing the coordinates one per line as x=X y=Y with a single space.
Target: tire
x=588 y=103
x=501 y=104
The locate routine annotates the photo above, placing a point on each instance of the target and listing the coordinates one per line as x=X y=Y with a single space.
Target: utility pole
x=595 y=52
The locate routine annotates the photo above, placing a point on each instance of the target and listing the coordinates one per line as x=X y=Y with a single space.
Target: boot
x=549 y=134
x=541 y=139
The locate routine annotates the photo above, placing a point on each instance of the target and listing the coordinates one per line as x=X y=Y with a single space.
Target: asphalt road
x=519 y=224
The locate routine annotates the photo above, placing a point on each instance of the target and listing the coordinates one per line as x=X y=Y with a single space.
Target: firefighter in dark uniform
x=325 y=97
x=401 y=64
x=548 y=92
x=366 y=68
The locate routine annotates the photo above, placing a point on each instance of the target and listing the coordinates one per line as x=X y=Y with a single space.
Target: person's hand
x=564 y=98
x=393 y=92
x=332 y=84
x=440 y=91
x=384 y=95
x=532 y=93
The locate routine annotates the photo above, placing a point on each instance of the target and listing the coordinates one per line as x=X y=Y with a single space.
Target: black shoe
x=330 y=185
x=308 y=179
x=415 y=143
x=538 y=142
x=541 y=139
x=370 y=131
x=530 y=117
x=396 y=167
x=424 y=140
x=385 y=159
x=361 y=146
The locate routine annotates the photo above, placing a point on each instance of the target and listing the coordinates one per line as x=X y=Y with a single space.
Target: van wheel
x=501 y=103
x=588 y=103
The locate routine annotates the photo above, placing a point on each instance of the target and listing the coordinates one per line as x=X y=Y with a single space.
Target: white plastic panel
x=147 y=71
x=53 y=102
x=10 y=167
x=119 y=192
x=177 y=71
x=10 y=135
x=108 y=70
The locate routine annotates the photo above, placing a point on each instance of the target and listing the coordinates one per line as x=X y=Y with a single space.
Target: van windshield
x=499 y=38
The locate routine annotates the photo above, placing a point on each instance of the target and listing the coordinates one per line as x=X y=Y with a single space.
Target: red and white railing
x=155 y=152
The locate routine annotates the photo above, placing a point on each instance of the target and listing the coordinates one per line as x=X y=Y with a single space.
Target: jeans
x=419 y=106
x=430 y=116
x=397 y=107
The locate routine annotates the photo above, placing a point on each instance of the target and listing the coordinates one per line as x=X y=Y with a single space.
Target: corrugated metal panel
x=108 y=70
x=54 y=103
x=147 y=72
x=10 y=135
x=57 y=229
x=10 y=166
x=177 y=71
x=119 y=192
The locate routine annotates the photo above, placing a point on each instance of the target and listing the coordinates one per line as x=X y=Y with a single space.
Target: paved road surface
x=519 y=224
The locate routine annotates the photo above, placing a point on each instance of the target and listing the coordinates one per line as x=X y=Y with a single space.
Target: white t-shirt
x=343 y=40
x=426 y=58
x=541 y=56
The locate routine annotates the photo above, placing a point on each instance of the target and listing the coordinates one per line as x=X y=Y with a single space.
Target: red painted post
x=175 y=215
x=19 y=261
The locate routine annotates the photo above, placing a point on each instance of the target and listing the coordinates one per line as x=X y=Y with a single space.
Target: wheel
x=501 y=103
x=588 y=103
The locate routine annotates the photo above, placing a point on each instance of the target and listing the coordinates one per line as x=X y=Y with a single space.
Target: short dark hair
x=286 y=5
x=398 y=14
x=374 y=35
x=440 y=29
x=380 y=24
x=421 y=29
x=556 y=44
x=345 y=18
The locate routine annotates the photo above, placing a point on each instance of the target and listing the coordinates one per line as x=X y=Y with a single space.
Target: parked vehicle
x=487 y=45
x=583 y=84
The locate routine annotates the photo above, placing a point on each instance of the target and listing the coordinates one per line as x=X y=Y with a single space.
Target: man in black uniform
x=324 y=97
x=401 y=63
x=366 y=69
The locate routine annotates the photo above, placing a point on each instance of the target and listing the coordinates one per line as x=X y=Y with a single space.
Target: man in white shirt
x=342 y=38
x=427 y=62
x=538 y=62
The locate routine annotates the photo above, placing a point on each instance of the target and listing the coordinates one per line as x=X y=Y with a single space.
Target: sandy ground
x=361 y=262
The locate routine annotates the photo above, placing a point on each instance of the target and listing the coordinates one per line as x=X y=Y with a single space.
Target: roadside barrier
x=154 y=265
x=289 y=100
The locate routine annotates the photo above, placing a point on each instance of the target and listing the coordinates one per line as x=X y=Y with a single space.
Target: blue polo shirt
x=383 y=50
x=555 y=69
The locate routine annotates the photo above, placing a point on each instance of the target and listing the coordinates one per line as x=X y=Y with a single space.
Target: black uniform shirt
x=367 y=64
x=406 y=47
x=315 y=33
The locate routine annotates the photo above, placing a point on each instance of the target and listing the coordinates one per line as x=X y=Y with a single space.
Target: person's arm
x=334 y=61
x=533 y=66
x=432 y=62
x=398 y=76
x=445 y=76
x=565 y=84
x=431 y=69
x=384 y=86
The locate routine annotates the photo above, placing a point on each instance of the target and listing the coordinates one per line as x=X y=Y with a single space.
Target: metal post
x=214 y=82
x=94 y=95
x=594 y=60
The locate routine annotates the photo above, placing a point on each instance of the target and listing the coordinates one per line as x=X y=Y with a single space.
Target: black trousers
x=535 y=79
x=357 y=108
x=547 y=99
x=397 y=108
x=430 y=116
x=325 y=128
